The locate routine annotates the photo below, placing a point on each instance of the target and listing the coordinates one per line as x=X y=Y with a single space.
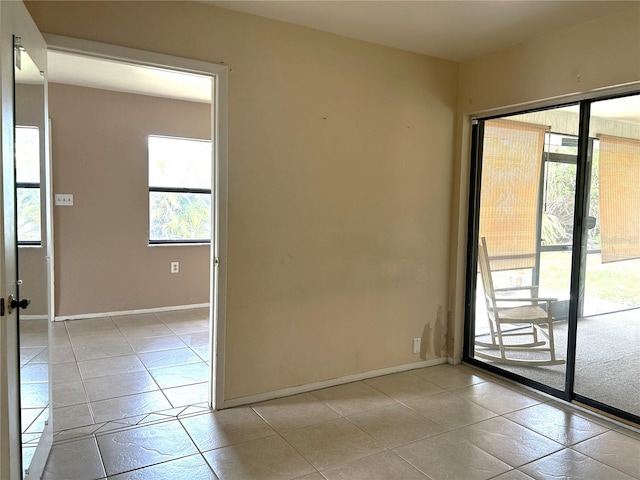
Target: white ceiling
x=91 y=72
x=452 y=29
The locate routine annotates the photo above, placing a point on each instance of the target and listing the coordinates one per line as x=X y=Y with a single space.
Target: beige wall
x=339 y=187
x=99 y=154
x=575 y=62
x=584 y=58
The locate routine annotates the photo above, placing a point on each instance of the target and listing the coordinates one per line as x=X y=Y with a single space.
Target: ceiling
x=451 y=29
x=454 y=29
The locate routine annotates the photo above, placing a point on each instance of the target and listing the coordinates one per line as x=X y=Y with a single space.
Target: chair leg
x=503 y=353
x=552 y=345
x=493 y=332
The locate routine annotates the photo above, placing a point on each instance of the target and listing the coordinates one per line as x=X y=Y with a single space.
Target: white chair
x=527 y=315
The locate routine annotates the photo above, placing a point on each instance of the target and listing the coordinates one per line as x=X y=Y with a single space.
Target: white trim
x=48 y=214
x=132 y=56
x=174 y=308
x=41 y=455
x=285 y=392
x=556 y=101
x=218 y=257
x=186 y=244
x=34 y=317
x=154 y=245
x=219 y=132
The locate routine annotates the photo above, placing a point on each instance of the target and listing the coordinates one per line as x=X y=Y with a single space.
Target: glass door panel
x=541 y=306
x=608 y=330
x=525 y=234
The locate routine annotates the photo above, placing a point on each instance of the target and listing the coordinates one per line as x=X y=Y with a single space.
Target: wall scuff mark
x=434 y=339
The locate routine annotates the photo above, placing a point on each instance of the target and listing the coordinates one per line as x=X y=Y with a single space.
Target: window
x=558 y=193
x=179 y=190
x=28 y=185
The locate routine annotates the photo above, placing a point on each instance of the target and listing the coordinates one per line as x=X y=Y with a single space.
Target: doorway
x=126 y=320
x=552 y=298
x=15 y=17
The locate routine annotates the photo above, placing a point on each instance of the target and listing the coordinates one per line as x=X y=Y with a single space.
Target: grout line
x=147 y=370
x=104 y=467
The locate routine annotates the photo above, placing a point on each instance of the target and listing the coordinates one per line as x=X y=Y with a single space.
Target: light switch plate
x=64 y=199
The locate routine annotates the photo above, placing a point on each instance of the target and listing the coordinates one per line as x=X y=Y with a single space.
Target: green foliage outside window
x=179 y=190
x=559 y=200
x=29 y=215
x=180 y=216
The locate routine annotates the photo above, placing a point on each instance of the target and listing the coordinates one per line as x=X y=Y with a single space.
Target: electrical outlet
x=416 y=345
x=64 y=199
x=175 y=267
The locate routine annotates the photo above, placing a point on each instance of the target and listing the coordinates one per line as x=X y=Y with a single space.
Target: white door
x=23 y=83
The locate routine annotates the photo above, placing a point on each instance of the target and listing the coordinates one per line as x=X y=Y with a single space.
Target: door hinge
x=2 y=307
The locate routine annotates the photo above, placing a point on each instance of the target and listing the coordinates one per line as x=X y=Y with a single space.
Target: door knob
x=13 y=303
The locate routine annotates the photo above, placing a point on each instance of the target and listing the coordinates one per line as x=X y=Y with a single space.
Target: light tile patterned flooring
x=130 y=403
x=34 y=386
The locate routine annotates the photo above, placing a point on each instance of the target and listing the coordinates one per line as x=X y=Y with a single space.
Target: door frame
x=219 y=135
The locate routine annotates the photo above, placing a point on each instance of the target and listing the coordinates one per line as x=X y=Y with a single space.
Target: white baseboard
x=285 y=392
x=34 y=317
x=129 y=312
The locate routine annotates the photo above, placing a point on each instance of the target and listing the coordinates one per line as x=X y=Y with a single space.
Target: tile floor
x=130 y=403
x=34 y=383
x=111 y=371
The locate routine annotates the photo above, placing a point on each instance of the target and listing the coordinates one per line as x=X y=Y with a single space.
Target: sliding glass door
x=553 y=272
x=607 y=365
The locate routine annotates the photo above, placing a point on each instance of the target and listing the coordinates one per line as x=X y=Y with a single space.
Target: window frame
x=28 y=186
x=199 y=191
